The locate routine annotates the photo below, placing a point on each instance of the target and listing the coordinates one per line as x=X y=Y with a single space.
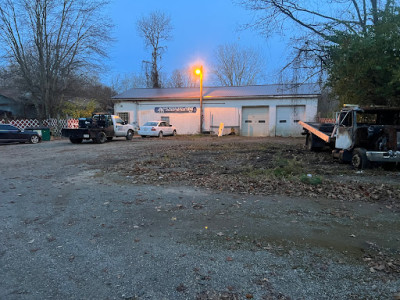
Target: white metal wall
x=229 y=111
x=214 y=115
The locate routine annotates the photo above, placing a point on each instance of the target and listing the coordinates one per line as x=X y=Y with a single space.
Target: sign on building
x=183 y=109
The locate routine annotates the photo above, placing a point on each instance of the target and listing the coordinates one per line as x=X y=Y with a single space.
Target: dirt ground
x=259 y=166
x=195 y=217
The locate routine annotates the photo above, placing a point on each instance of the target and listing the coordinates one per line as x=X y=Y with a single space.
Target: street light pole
x=199 y=71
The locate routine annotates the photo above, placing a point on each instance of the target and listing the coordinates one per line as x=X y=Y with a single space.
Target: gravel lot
x=194 y=218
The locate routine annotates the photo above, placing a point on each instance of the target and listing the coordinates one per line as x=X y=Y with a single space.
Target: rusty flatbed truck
x=359 y=135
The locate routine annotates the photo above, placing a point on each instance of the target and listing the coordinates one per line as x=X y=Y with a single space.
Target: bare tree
x=155 y=30
x=323 y=18
x=51 y=41
x=316 y=22
x=237 y=66
x=87 y=89
x=182 y=78
x=121 y=83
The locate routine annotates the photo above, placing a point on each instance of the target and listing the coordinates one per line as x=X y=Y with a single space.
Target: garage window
x=261 y=121
x=248 y=121
x=282 y=121
x=166 y=119
x=124 y=116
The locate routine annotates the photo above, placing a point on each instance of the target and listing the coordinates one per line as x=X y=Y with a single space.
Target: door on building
x=287 y=118
x=255 y=121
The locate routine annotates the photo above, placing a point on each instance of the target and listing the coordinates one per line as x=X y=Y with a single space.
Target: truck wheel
x=75 y=141
x=101 y=137
x=359 y=159
x=160 y=135
x=129 y=135
x=174 y=133
x=311 y=143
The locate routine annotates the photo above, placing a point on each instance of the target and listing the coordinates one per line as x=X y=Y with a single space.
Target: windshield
x=150 y=124
x=379 y=117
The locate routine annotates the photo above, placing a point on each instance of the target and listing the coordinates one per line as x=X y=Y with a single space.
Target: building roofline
x=241 y=92
x=250 y=97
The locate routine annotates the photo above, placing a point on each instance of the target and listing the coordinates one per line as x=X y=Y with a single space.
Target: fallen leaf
x=181 y=288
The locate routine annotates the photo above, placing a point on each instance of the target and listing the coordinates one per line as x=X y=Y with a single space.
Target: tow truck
x=360 y=135
x=100 y=128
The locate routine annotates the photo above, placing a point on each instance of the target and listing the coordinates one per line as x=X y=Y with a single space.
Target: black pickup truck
x=100 y=128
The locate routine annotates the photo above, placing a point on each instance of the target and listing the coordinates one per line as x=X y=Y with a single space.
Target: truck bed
x=75 y=133
x=322 y=130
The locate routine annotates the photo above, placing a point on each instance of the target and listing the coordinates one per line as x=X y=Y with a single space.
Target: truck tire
x=311 y=144
x=129 y=135
x=101 y=138
x=359 y=159
x=75 y=140
x=160 y=134
x=174 y=133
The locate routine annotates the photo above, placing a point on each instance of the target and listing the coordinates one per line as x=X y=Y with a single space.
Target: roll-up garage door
x=255 y=121
x=287 y=118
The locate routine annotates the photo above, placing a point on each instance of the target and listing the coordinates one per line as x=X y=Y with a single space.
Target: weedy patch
x=310 y=179
x=280 y=168
x=287 y=167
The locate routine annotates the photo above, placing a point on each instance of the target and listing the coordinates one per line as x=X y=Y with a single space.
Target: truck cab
x=370 y=134
x=113 y=125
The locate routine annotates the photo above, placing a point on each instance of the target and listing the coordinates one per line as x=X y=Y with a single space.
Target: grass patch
x=281 y=168
x=286 y=168
x=313 y=180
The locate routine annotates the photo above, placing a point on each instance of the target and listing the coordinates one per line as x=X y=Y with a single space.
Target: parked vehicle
x=10 y=133
x=100 y=128
x=156 y=128
x=359 y=135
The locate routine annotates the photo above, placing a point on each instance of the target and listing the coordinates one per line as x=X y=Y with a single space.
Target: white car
x=156 y=128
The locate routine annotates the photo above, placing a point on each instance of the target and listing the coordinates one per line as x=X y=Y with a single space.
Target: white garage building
x=263 y=110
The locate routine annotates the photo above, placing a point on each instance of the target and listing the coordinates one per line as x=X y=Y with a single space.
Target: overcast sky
x=199 y=27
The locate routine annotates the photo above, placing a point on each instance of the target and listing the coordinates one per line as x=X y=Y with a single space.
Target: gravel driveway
x=77 y=222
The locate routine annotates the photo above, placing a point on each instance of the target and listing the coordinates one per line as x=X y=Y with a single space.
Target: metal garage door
x=287 y=118
x=255 y=121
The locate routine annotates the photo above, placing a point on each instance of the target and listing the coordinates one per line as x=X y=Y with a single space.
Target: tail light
x=153 y=129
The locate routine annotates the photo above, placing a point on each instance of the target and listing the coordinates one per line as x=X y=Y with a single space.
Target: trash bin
x=44 y=132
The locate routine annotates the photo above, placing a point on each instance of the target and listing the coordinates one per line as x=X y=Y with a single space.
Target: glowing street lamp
x=199 y=72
